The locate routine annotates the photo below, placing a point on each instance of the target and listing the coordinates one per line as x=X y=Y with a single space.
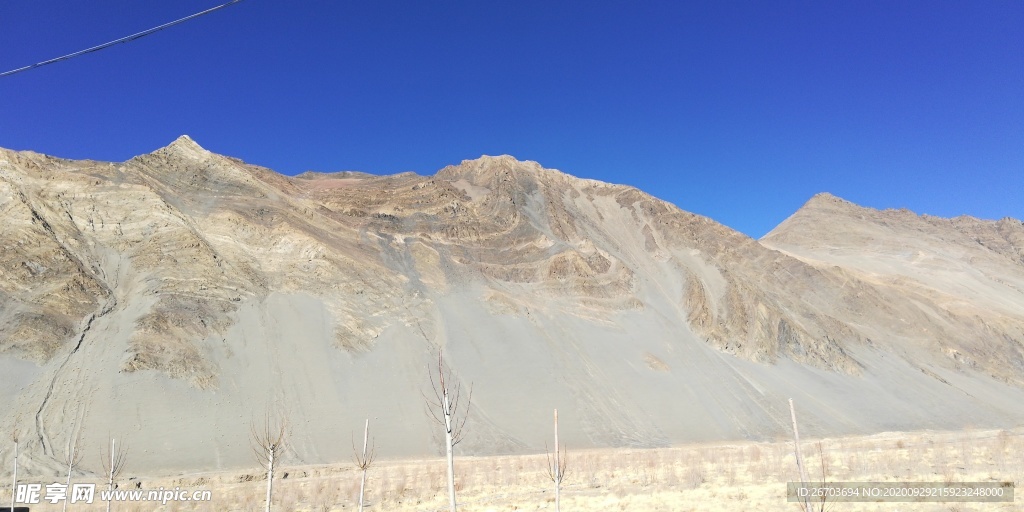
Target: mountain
x=955 y=284
x=177 y=297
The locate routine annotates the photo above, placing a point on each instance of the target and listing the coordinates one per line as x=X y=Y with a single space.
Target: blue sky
x=740 y=111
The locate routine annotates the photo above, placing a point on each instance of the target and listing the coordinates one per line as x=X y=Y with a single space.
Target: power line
x=125 y=39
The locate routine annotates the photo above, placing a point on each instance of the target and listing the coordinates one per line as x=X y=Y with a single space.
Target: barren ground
x=722 y=477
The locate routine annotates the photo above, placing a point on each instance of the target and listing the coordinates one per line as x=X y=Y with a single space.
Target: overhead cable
x=125 y=39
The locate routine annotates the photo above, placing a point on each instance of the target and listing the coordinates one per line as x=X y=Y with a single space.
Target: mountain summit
x=178 y=292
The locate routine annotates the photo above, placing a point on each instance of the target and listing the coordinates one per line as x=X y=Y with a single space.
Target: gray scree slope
x=172 y=299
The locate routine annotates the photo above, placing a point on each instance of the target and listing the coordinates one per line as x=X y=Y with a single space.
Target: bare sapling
x=451 y=413
x=799 y=456
x=557 y=467
x=823 y=505
x=72 y=457
x=268 y=444
x=364 y=461
x=14 y=479
x=113 y=464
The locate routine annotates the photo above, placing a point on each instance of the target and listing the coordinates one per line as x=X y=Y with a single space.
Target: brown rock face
x=182 y=290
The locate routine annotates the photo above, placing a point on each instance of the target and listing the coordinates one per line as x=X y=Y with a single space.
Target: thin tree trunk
x=110 y=479
x=362 y=483
x=799 y=456
x=14 y=481
x=270 y=477
x=71 y=466
x=448 y=441
x=558 y=475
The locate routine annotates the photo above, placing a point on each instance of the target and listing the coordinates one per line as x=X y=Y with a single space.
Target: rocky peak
x=184 y=146
x=487 y=168
x=827 y=201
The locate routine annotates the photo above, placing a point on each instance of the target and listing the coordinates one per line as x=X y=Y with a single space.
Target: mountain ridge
x=205 y=280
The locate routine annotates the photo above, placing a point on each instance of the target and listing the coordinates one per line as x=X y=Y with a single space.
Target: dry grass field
x=704 y=477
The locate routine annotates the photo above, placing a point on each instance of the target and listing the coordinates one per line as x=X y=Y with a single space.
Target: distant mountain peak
x=828 y=200
x=499 y=158
x=186 y=146
x=503 y=159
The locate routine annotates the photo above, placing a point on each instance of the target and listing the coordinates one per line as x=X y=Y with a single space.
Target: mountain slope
x=175 y=297
x=958 y=283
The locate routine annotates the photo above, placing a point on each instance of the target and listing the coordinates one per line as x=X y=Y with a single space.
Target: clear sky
x=738 y=110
